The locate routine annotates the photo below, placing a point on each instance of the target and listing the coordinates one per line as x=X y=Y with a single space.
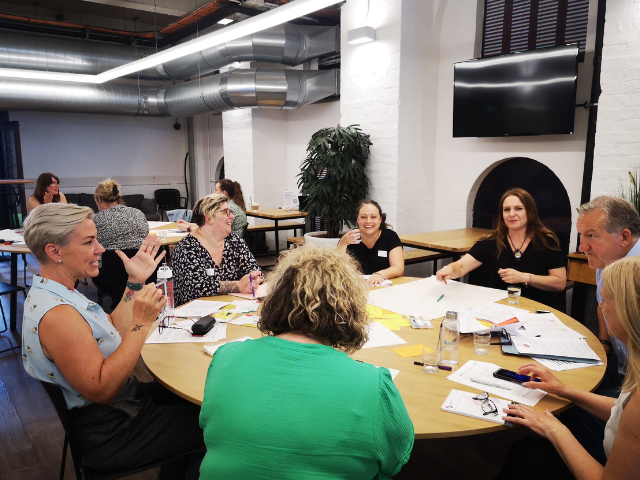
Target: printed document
x=463 y=403
x=557 y=347
x=480 y=375
x=198 y=308
x=182 y=335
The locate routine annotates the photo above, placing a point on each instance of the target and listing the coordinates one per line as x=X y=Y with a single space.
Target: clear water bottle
x=450 y=339
x=165 y=282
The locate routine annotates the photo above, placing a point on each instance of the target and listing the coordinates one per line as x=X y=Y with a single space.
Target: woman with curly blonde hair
x=306 y=409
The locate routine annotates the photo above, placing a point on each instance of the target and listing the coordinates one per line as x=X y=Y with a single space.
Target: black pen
x=543 y=311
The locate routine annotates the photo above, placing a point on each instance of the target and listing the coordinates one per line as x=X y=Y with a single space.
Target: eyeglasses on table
x=487 y=405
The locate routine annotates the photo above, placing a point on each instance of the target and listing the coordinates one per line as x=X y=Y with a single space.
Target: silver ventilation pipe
x=286 y=44
x=31 y=51
x=253 y=88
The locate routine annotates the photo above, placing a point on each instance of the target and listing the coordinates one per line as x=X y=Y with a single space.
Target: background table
x=182 y=368
x=277 y=214
x=455 y=242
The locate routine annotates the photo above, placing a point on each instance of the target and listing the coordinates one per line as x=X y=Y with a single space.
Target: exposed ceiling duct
x=287 y=44
x=252 y=88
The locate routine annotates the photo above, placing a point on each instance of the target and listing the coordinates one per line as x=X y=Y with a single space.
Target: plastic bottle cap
x=165 y=272
x=451 y=315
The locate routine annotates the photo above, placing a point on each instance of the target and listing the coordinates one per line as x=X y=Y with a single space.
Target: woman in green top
x=233 y=192
x=292 y=404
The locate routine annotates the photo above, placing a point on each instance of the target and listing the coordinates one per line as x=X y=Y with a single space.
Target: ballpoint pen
x=253 y=292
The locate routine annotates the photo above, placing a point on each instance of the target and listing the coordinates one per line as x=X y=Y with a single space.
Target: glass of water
x=481 y=341
x=430 y=360
x=514 y=294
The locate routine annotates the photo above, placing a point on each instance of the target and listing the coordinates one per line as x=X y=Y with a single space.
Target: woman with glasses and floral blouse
x=212 y=260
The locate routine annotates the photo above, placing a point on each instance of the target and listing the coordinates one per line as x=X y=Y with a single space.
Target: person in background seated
x=119 y=228
x=70 y=341
x=293 y=404
x=521 y=252
x=233 y=192
x=47 y=191
x=376 y=247
x=212 y=260
x=536 y=458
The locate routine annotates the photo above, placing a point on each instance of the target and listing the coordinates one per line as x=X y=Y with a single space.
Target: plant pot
x=312 y=237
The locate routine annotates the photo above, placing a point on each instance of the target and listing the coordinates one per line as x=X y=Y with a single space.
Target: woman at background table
x=293 y=404
x=521 y=251
x=47 y=191
x=212 y=260
x=537 y=458
x=119 y=228
x=70 y=341
x=375 y=247
x=233 y=192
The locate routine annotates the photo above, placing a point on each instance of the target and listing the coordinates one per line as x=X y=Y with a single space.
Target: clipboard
x=510 y=349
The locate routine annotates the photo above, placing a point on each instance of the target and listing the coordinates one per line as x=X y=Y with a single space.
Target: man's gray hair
x=620 y=214
x=52 y=223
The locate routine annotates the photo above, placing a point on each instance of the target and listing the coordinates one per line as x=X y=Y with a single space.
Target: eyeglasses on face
x=227 y=212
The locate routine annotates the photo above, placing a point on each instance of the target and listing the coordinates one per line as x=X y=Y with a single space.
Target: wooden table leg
x=14 y=295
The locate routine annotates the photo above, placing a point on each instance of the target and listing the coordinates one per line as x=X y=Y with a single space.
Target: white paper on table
x=547 y=325
x=385 y=282
x=170 y=233
x=11 y=235
x=261 y=291
x=153 y=225
x=245 y=320
x=479 y=375
x=245 y=306
x=469 y=323
x=557 y=347
x=381 y=336
x=497 y=313
x=179 y=335
x=561 y=365
x=185 y=323
x=463 y=403
x=198 y=308
x=420 y=298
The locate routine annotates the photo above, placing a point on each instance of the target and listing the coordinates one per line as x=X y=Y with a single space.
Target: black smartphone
x=510 y=376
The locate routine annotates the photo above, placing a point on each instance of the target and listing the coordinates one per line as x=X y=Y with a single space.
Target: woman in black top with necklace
x=521 y=251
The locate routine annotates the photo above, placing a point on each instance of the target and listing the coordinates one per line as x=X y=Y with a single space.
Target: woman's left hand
x=509 y=275
x=244 y=284
x=142 y=265
x=542 y=423
x=375 y=280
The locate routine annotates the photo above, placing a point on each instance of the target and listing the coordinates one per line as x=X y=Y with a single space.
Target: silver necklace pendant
x=517 y=254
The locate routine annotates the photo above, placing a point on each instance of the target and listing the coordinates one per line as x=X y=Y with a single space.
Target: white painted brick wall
x=618 y=134
x=237 y=126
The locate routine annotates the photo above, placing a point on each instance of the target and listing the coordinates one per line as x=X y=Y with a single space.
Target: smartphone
x=510 y=376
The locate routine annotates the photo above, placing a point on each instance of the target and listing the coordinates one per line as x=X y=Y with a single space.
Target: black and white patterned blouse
x=190 y=261
x=121 y=227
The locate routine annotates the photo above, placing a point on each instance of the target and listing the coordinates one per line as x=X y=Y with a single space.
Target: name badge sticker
x=382 y=253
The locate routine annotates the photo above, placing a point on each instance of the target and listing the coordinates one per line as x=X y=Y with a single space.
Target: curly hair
x=622 y=279
x=207 y=207
x=317 y=292
x=543 y=238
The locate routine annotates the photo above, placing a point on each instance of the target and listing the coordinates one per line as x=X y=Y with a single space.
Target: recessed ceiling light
x=225 y=21
x=249 y=26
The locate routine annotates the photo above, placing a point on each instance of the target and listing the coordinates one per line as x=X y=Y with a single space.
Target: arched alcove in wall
x=536 y=178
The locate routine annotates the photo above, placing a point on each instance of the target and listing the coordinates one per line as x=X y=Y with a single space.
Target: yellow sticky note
x=390 y=324
x=374 y=312
x=410 y=351
x=223 y=315
x=228 y=307
x=392 y=316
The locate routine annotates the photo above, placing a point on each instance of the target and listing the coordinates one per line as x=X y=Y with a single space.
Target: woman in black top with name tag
x=521 y=252
x=373 y=245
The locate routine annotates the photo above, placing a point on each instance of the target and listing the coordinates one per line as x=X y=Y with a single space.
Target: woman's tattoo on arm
x=129 y=295
x=229 y=287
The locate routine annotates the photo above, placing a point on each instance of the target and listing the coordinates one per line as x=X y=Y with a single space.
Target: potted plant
x=334 y=178
x=633 y=193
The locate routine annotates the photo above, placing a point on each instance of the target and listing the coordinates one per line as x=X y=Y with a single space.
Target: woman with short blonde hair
x=326 y=415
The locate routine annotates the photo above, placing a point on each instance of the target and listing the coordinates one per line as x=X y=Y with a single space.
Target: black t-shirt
x=534 y=261
x=377 y=258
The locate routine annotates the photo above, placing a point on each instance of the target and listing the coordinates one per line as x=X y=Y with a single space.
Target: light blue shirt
x=44 y=295
x=619 y=348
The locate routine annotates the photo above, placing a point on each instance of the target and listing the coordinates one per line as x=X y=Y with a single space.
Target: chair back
x=59 y=403
x=168 y=199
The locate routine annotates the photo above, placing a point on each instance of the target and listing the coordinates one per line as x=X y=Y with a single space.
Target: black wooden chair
x=168 y=199
x=82 y=472
x=6 y=289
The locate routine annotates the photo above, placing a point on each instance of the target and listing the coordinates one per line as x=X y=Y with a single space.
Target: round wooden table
x=182 y=368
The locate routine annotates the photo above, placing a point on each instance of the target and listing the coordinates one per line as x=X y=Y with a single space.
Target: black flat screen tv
x=528 y=93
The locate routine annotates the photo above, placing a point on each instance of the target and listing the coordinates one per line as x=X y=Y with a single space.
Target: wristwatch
x=136 y=287
x=188 y=229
